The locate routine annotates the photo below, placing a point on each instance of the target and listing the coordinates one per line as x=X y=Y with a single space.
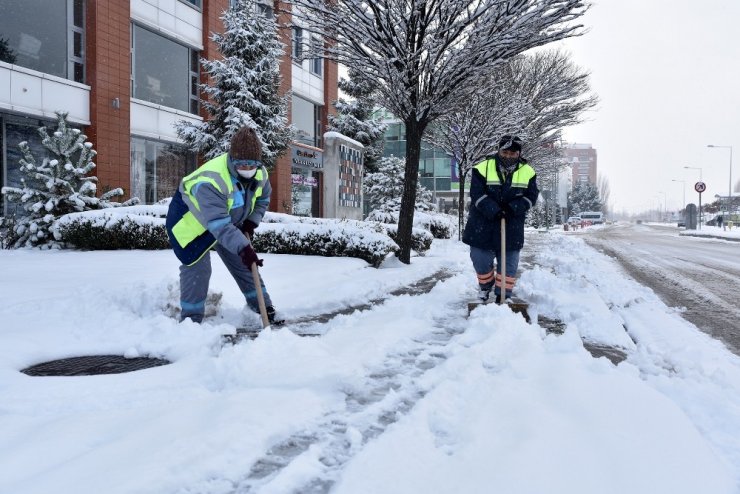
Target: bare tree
x=427 y=54
x=533 y=96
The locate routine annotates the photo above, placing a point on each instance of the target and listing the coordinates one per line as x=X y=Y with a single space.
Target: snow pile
x=407 y=395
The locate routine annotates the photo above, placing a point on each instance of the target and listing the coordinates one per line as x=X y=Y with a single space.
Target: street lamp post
x=695 y=168
x=684 y=193
x=729 y=191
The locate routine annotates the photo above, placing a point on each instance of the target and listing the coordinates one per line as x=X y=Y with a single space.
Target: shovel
x=260 y=296
x=516 y=305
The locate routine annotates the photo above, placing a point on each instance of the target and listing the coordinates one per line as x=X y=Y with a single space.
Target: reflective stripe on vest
x=216 y=173
x=519 y=179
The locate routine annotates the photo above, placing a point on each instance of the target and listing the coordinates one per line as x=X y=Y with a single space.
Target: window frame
x=72 y=58
x=296 y=50
x=193 y=91
x=316 y=64
x=196 y=4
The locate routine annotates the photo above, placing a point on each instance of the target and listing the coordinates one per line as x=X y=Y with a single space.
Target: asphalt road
x=702 y=275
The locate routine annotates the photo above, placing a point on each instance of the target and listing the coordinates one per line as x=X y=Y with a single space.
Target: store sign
x=304 y=180
x=306 y=157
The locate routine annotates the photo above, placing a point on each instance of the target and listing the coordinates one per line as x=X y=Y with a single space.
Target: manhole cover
x=93 y=365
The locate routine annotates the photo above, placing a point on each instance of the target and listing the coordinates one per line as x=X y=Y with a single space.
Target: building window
x=307 y=121
x=297 y=43
x=163 y=71
x=317 y=64
x=32 y=36
x=157 y=168
x=13 y=131
x=195 y=3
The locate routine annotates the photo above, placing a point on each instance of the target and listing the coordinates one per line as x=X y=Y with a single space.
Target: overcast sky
x=668 y=76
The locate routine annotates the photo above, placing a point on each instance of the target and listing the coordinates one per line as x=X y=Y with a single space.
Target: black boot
x=272 y=317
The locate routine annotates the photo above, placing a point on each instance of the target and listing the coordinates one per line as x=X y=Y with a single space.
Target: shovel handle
x=260 y=296
x=502 y=258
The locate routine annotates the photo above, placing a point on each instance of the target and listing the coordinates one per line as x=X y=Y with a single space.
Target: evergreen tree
x=6 y=54
x=584 y=197
x=246 y=86
x=355 y=119
x=383 y=189
x=59 y=185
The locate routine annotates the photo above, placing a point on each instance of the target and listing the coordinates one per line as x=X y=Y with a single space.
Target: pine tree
x=383 y=189
x=59 y=185
x=584 y=197
x=355 y=118
x=246 y=86
x=6 y=54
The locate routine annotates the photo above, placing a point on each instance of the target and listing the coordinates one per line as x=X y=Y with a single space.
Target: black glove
x=248 y=228
x=249 y=257
x=500 y=215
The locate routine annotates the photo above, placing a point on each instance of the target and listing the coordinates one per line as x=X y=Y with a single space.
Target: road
x=702 y=275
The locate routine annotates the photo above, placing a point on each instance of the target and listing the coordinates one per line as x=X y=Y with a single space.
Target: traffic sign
x=700 y=187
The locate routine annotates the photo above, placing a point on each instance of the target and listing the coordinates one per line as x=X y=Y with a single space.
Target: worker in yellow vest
x=503 y=185
x=217 y=207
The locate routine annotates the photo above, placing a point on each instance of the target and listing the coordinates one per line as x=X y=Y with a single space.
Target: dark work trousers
x=194 y=284
x=483 y=264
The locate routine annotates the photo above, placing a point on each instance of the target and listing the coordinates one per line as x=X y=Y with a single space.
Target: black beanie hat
x=510 y=143
x=245 y=145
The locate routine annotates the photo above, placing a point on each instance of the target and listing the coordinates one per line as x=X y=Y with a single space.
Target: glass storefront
x=157 y=168
x=306 y=178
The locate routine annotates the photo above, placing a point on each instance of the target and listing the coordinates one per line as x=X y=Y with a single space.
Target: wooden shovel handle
x=260 y=296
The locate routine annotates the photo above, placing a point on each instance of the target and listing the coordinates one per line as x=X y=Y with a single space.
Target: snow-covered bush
x=329 y=240
x=143 y=227
x=135 y=227
x=59 y=185
x=420 y=238
x=438 y=224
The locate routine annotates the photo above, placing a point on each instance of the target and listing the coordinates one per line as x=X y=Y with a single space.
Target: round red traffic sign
x=700 y=187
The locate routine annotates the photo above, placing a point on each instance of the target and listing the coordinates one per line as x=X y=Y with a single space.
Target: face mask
x=247 y=173
x=508 y=164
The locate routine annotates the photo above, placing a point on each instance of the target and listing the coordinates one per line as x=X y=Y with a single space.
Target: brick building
x=126 y=71
x=582 y=159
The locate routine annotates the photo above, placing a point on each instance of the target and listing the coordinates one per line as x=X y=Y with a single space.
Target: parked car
x=574 y=220
x=681 y=224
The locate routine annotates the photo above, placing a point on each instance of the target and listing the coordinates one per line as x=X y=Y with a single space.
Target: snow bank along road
x=700 y=274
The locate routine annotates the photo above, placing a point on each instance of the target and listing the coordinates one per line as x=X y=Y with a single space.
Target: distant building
x=582 y=160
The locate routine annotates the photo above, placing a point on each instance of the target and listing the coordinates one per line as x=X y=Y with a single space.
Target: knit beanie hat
x=510 y=143
x=245 y=145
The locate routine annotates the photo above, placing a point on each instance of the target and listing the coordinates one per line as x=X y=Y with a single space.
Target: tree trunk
x=460 y=203
x=414 y=131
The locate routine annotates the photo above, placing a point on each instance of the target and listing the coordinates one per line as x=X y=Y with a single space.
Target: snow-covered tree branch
x=426 y=55
x=355 y=118
x=246 y=87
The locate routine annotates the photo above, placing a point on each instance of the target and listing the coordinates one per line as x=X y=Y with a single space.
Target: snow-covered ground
x=732 y=233
x=409 y=396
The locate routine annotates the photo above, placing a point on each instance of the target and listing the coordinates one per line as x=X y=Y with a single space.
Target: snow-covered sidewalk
x=408 y=396
x=724 y=232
